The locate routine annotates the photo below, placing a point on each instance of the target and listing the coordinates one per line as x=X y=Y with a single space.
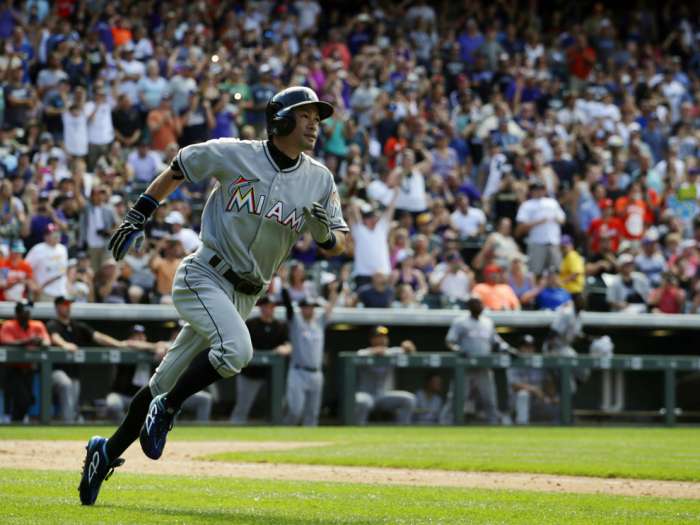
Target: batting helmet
x=278 y=113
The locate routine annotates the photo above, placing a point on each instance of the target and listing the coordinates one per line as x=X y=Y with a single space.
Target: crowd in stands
x=500 y=149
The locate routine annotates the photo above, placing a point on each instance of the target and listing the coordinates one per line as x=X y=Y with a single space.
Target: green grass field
x=672 y=454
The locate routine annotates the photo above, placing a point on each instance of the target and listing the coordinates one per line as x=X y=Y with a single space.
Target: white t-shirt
x=49 y=262
x=455 y=285
x=468 y=224
x=130 y=87
x=371 y=248
x=75 y=133
x=544 y=208
x=100 y=129
x=412 y=196
x=146 y=167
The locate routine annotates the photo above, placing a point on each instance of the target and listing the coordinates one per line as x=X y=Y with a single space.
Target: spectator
x=533 y=395
x=494 y=293
x=97 y=221
x=408 y=274
x=522 y=282
x=144 y=163
x=49 y=262
x=30 y=335
x=609 y=225
x=376 y=388
x=572 y=271
x=166 y=259
x=16 y=275
x=668 y=298
x=650 y=261
x=541 y=218
x=100 y=130
x=127 y=122
x=163 y=125
x=370 y=233
x=152 y=87
x=266 y=333
x=377 y=293
x=468 y=220
x=452 y=279
x=500 y=247
x=629 y=290
x=552 y=294
x=429 y=401
x=188 y=238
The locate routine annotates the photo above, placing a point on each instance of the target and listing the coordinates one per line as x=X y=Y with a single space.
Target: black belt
x=306 y=368
x=239 y=284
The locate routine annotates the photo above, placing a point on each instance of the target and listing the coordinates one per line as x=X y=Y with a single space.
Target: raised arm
x=287 y=302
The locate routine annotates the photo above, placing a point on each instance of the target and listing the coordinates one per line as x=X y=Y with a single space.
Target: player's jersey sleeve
x=206 y=159
x=335 y=210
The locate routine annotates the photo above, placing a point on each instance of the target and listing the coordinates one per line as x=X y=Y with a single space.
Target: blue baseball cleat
x=159 y=422
x=96 y=469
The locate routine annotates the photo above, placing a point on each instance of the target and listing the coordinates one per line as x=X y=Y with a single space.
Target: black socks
x=130 y=428
x=200 y=374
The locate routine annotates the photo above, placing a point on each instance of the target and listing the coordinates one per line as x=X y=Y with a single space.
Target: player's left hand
x=317 y=222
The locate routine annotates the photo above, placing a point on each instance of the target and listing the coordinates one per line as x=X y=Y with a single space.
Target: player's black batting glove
x=130 y=232
x=318 y=223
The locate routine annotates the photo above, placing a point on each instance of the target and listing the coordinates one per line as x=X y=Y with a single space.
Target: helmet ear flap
x=283 y=123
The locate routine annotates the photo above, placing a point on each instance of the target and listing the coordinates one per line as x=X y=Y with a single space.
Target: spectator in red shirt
x=581 y=58
x=668 y=298
x=609 y=225
x=16 y=274
x=23 y=332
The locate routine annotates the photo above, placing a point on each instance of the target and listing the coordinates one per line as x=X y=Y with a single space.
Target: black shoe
x=96 y=469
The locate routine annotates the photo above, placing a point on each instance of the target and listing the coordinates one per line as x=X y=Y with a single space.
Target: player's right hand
x=130 y=233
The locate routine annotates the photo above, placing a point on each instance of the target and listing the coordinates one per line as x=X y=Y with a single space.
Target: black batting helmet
x=278 y=113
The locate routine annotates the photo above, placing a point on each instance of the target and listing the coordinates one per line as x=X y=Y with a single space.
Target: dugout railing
x=45 y=359
x=566 y=366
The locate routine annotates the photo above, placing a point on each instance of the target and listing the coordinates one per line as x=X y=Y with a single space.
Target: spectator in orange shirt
x=22 y=331
x=494 y=293
x=609 y=225
x=634 y=210
x=164 y=125
x=16 y=274
x=164 y=268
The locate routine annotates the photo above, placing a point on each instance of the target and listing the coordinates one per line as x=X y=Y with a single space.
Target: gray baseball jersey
x=473 y=336
x=307 y=338
x=254 y=217
x=251 y=221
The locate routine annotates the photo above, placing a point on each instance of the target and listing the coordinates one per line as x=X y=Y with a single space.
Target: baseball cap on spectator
x=265 y=299
x=566 y=240
x=45 y=137
x=605 y=203
x=367 y=210
x=625 y=258
x=62 y=299
x=175 y=217
x=308 y=301
x=138 y=329
x=50 y=228
x=536 y=184
x=72 y=262
x=491 y=269
x=17 y=246
x=424 y=218
x=453 y=256
x=687 y=244
x=379 y=331
x=527 y=339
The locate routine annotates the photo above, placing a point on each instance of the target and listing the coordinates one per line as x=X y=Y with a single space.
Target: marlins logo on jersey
x=244 y=198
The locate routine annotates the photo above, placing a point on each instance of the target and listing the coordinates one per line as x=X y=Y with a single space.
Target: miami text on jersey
x=247 y=199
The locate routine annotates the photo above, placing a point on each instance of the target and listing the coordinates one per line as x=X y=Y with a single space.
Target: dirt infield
x=180 y=458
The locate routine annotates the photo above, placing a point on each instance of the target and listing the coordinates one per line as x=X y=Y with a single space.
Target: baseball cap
x=62 y=299
x=424 y=218
x=50 y=228
x=453 y=256
x=265 y=299
x=492 y=268
x=625 y=258
x=379 y=331
x=17 y=246
x=367 y=210
x=536 y=185
x=527 y=339
x=175 y=217
x=566 y=240
x=605 y=203
x=23 y=306
x=308 y=301
x=138 y=329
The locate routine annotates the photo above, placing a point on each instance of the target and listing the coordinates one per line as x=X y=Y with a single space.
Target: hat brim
x=325 y=109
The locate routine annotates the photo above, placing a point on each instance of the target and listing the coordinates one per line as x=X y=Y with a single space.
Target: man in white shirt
x=409 y=179
x=370 y=233
x=187 y=236
x=540 y=218
x=49 y=262
x=75 y=130
x=467 y=220
x=131 y=71
x=100 y=130
x=452 y=279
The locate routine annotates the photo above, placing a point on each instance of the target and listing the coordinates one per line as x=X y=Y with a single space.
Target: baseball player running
x=269 y=193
